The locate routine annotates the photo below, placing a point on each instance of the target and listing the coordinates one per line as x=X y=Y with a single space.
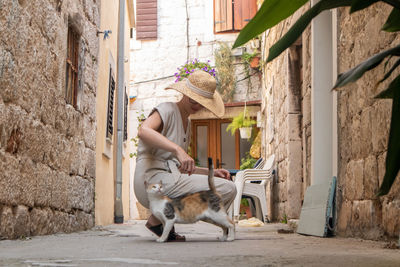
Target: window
x=110 y=110
x=125 y=116
x=146 y=19
x=71 y=85
x=233 y=15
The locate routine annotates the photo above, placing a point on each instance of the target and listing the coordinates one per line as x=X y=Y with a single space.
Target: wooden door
x=210 y=139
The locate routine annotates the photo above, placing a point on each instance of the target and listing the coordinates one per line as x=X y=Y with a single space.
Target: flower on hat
x=190 y=66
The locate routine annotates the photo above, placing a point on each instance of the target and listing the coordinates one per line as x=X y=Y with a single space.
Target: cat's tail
x=211 y=175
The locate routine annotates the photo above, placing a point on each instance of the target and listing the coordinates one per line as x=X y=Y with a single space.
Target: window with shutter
x=233 y=15
x=110 y=110
x=125 y=116
x=146 y=19
x=71 y=76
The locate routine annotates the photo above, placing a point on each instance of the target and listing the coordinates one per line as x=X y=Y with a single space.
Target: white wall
x=159 y=59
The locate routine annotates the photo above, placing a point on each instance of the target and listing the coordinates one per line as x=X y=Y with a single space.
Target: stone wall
x=363 y=127
x=363 y=131
x=287 y=120
x=47 y=147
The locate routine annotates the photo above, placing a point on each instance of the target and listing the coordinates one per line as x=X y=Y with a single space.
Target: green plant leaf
x=355 y=73
x=392 y=23
x=393 y=152
x=301 y=24
x=357 y=5
x=271 y=13
x=389 y=92
x=387 y=75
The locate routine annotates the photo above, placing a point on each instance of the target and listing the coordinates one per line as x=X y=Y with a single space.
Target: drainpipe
x=118 y=211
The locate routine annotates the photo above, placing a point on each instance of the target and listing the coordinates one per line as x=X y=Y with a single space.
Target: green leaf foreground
x=355 y=73
x=392 y=23
x=301 y=24
x=389 y=92
x=393 y=152
x=357 y=5
x=271 y=13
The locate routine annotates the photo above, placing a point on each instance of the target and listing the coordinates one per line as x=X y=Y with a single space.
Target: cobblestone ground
x=130 y=244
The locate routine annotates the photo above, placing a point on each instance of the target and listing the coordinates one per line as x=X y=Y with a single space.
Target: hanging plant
x=242 y=121
x=190 y=66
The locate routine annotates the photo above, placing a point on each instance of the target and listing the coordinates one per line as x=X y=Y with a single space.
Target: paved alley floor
x=130 y=244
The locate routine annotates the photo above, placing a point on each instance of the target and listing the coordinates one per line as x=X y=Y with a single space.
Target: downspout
x=118 y=211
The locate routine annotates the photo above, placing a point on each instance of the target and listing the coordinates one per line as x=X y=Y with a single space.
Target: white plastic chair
x=255 y=190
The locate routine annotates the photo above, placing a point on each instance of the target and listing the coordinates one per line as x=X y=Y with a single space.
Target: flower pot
x=255 y=62
x=245 y=132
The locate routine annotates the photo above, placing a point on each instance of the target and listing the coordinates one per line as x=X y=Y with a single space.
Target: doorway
x=210 y=139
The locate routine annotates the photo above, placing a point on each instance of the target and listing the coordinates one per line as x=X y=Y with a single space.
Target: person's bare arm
x=222 y=173
x=149 y=133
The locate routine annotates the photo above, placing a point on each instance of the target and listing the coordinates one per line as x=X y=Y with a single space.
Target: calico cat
x=204 y=205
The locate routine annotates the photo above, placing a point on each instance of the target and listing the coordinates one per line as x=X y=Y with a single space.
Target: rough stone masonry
x=47 y=147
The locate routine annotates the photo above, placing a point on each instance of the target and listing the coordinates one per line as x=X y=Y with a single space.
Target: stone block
x=356 y=137
x=370 y=177
x=366 y=220
x=390 y=211
x=381 y=116
x=6 y=222
x=366 y=132
x=9 y=179
x=39 y=221
x=21 y=221
x=294 y=127
x=59 y=191
x=344 y=217
x=353 y=184
x=381 y=167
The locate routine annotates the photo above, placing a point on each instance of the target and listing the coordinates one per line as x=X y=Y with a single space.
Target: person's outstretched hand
x=187 y=163
x=222 y=173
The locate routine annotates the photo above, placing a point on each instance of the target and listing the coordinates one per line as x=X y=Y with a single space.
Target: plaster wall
x=106 y=150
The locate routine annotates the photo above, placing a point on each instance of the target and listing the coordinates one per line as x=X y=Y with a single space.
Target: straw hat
x=200 y=86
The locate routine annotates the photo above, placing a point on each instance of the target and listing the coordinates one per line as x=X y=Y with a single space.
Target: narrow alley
x=130 y=244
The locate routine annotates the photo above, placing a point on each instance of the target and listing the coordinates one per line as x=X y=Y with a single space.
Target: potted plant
x=244 y=123
x=245 y=210
x=191 y=66
x=251 y=59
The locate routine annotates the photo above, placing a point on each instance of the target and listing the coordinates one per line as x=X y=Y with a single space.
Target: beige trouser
x=184 y=184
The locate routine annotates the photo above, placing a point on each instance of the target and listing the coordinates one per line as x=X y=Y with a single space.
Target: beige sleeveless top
x=151 y=161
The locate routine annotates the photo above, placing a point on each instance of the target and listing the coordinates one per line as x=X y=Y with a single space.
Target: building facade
x=107 y=111
x=169 y=34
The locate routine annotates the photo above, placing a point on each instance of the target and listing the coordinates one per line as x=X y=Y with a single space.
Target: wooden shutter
x=71 y=85
x=125 y=116
x=244 y=11
x=146 y=19
x=110 y=110
x=223 y=16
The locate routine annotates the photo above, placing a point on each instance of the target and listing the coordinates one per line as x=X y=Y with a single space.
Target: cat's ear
x=161 y=182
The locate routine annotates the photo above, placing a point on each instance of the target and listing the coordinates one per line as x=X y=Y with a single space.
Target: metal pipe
x=118 y=210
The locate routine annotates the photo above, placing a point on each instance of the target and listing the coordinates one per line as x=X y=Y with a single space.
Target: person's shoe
x=172 y=237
